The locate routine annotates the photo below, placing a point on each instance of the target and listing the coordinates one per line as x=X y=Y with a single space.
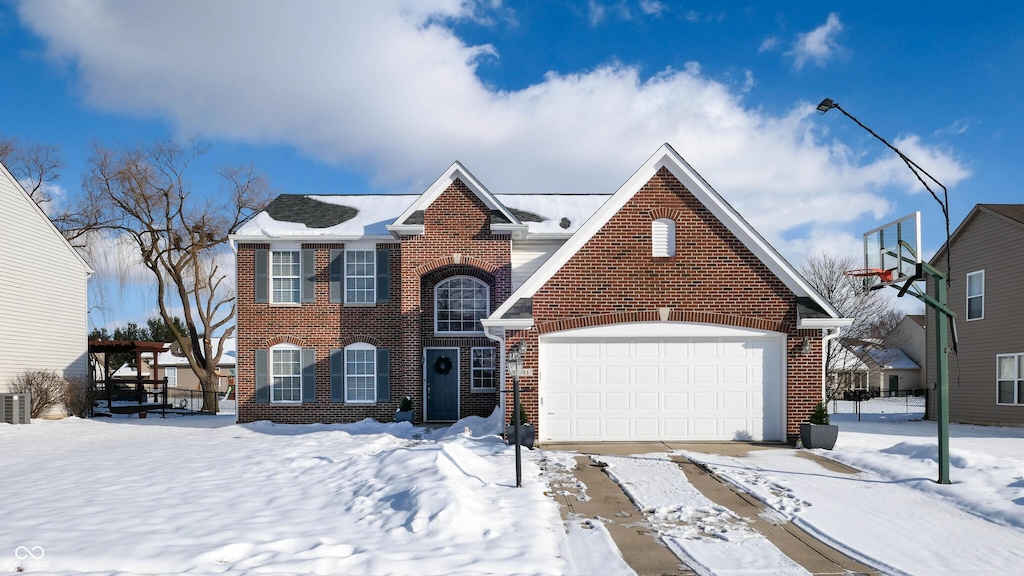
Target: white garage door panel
x=666 y=388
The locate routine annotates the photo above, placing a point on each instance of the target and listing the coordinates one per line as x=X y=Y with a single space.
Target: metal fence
x=895 y=402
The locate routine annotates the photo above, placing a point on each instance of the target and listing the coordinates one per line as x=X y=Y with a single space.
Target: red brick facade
x=613 y=278
x=456 y=242
x=713 y=278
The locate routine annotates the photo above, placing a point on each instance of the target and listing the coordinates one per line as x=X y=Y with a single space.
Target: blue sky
x=341 y=97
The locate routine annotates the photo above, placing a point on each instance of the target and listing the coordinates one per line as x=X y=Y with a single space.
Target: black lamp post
x=944 y=317
x=514 y=363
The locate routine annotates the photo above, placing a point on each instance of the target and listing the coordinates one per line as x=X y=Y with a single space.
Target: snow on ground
x=707 y=537
x=200 y=495
x=893 y=515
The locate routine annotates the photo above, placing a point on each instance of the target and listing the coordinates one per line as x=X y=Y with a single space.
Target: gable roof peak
x=667 y=158
x=406 y=222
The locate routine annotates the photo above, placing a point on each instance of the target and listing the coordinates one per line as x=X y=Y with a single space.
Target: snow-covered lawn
x=200 y=495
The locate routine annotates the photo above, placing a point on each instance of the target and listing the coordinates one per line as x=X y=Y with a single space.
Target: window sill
x=360 y=402
x=285 y=304
x=359 y=304
x=488 y=390
x=457 y=334
x=286 y=402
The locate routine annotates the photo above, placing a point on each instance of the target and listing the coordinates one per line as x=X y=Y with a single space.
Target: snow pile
x=893 y=515
x=177 y=496
x=707 y=537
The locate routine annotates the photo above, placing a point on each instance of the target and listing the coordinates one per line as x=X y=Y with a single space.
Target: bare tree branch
x=873 y=316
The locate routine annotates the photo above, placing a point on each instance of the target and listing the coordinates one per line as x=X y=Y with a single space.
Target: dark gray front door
x=442 y=378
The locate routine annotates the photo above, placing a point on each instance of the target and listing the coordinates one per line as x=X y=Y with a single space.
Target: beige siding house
x=43 y=293
x=986 y=291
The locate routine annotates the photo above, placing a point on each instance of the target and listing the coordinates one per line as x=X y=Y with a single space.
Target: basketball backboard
x=895 y=247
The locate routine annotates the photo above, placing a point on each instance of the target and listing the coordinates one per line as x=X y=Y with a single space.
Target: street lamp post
x=514 y=363
x=943 y=314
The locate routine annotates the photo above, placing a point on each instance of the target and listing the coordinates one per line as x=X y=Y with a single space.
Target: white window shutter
x=663 y=238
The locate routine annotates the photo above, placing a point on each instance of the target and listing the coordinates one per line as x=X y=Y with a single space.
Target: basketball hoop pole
x=938 y=303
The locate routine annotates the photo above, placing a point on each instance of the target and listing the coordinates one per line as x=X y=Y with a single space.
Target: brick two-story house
x=656 y=312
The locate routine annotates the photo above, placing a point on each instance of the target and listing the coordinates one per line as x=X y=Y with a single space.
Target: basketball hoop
x=883 y=275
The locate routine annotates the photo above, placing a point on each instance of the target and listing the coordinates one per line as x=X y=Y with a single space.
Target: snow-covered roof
x=359 y=215
x=228 y=357
x=351 y=215
x=553 y=213
x=892 y=359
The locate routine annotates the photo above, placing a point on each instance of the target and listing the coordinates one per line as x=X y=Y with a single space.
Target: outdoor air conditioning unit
x=14 y=408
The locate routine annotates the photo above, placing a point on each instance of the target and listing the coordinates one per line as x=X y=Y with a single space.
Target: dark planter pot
x=526 y=431
x=819 y=435
x=404 y=416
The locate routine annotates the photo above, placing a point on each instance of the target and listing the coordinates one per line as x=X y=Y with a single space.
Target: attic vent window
x=663 y=238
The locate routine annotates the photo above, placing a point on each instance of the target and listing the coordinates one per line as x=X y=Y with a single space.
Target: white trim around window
x=361 y=276
x=976 y=295
x=171 y=373
x=285 y=276
x=460 y=303
x=360 y=373
x=285 y=374
x=483 y=369
x=1010 y=379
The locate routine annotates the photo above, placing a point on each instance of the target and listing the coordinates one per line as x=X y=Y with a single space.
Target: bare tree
x=873 y=315
x=35 y=165
x=142 y=193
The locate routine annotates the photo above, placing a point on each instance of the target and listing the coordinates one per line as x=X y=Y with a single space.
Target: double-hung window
x=171 y=373
x=286 y=374
x=459 y=305
x=360 y=276
x=1010 y=379
x=285 y=278
x=360 y=373
x=483 y=370
x=976 y=295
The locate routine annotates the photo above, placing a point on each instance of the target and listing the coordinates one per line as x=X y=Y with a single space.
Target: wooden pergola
x=139 y=383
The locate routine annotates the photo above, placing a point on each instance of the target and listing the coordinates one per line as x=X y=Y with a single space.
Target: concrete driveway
x=641 y=547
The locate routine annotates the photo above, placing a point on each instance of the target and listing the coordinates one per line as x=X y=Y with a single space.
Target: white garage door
x=662 y=381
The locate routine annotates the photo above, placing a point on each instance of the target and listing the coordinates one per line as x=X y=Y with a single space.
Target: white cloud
x=652 y=7
x=768 y=44
x=818 y=45
x=388 y=89
x=596 y=13
x=955 y=129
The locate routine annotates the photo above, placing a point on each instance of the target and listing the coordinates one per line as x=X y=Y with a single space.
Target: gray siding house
x=43 y=294
x=986 y=291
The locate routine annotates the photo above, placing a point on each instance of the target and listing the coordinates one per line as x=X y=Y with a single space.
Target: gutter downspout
x=501 y=394
x=827 y=335
x=234 y=251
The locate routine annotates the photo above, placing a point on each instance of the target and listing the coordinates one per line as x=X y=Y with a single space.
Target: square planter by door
x=401 y=416
x=819 y=435
x=527 y=431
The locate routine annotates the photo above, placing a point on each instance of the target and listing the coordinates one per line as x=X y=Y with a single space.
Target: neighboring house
x=655 y=313
x=175 y=367
x=986 y=291
x=881 y=371
x=43 y=311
